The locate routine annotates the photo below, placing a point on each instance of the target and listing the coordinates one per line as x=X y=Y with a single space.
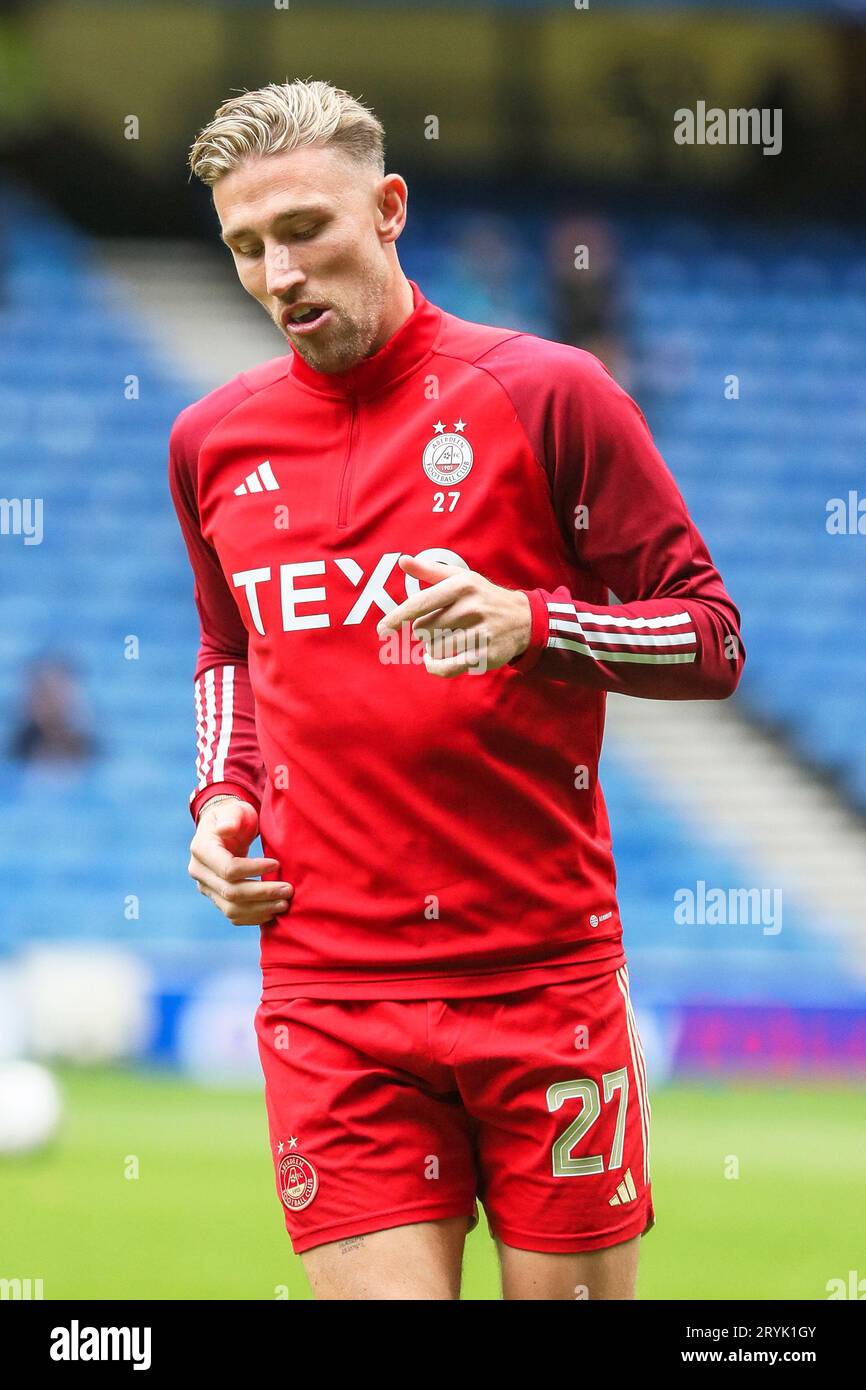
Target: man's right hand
x=222 y=872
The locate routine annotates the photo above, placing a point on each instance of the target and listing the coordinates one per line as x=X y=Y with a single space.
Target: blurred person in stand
x=582 y=259
x=52 y=728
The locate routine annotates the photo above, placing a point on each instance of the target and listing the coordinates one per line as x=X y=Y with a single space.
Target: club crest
x=297 y=1180
x=448 y=457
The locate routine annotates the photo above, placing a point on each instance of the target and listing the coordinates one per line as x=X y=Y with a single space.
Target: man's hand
x=218 y=864
x=467 y=623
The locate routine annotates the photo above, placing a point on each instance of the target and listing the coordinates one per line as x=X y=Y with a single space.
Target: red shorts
x=385 y=1112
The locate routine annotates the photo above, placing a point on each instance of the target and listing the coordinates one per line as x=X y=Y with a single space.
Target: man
x=404 y=534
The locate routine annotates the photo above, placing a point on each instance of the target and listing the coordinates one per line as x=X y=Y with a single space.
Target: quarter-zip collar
x=403 y=352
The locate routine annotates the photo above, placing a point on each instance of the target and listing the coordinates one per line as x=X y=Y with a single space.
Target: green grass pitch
x=202 y=1219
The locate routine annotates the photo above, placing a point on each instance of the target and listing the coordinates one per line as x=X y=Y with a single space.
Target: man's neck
x=400 y=305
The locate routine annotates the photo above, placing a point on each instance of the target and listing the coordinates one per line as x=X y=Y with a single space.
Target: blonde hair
x=283 y=116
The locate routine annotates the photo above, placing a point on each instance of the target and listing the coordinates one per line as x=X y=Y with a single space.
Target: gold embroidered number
x=586 y=1090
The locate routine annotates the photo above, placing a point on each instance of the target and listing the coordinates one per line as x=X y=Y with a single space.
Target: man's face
x=311 y=231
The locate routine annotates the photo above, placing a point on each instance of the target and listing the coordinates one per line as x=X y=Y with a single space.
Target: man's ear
x=393 y=197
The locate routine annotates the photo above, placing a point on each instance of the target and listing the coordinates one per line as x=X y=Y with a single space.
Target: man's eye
x=249 y=250
x=306 y=233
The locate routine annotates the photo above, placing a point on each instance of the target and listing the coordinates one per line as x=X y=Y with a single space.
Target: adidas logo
x=626 y=1192
x=260 y=480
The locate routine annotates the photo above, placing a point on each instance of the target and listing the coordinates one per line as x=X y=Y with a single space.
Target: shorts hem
x=383 y=1221
x=566 y=1244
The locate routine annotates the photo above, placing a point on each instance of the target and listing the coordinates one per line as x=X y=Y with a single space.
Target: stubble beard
x=350 y=336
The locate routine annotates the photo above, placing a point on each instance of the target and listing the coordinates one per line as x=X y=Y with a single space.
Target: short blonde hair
x=282 y=116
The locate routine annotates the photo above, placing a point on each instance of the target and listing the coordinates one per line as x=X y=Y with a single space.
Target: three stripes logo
x=626 y=1192
x=260 y=480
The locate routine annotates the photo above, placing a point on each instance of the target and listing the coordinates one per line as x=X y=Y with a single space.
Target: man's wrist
x=538 y=633
x=523 y=609
x=215 y=801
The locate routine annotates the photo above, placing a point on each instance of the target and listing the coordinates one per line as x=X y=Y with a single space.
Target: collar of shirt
x=402 y=353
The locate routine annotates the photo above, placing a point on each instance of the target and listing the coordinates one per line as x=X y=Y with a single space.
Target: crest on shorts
x=448 y=458
x=297 y=1181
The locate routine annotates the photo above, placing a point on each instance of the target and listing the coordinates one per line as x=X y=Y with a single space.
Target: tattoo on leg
x=350 y=1244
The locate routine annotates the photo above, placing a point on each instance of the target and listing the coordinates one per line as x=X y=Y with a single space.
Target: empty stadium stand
x=85 y=409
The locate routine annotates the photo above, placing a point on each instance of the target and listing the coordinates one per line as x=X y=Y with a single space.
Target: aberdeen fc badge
x=297 y=1180
x=448 y=457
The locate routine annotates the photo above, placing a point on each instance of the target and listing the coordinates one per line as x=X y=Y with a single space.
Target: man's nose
x=281 y=275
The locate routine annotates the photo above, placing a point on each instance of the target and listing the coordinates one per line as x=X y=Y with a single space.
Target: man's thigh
x=372 y=1148
x=420 y=1261
x=610 y=1273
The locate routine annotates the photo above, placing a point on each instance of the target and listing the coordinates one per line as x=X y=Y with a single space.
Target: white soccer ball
x=31 y=1107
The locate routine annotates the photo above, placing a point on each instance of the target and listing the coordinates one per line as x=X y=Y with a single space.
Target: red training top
x=444 y=836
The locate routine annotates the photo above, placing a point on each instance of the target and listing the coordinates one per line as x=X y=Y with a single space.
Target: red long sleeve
x=228 y=756
x=675 y=633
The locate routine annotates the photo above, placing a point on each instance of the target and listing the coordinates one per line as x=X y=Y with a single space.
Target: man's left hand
x=467 y=623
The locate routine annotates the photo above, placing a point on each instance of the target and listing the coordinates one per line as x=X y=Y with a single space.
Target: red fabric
x=593 y=956
x=435 y=827
x=389 y=1112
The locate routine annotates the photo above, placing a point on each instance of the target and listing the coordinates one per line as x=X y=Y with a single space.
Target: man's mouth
x=302 y=318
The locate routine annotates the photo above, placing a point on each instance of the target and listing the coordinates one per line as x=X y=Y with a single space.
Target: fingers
x=209 y=850
x=454 y=650
x=232 y=881
x=427 y=571
x=246 y=903
x=467 y=663
x=439 y=595
x=250 y=891
x=232 y=868
x=245 y=916
x=457 y=619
